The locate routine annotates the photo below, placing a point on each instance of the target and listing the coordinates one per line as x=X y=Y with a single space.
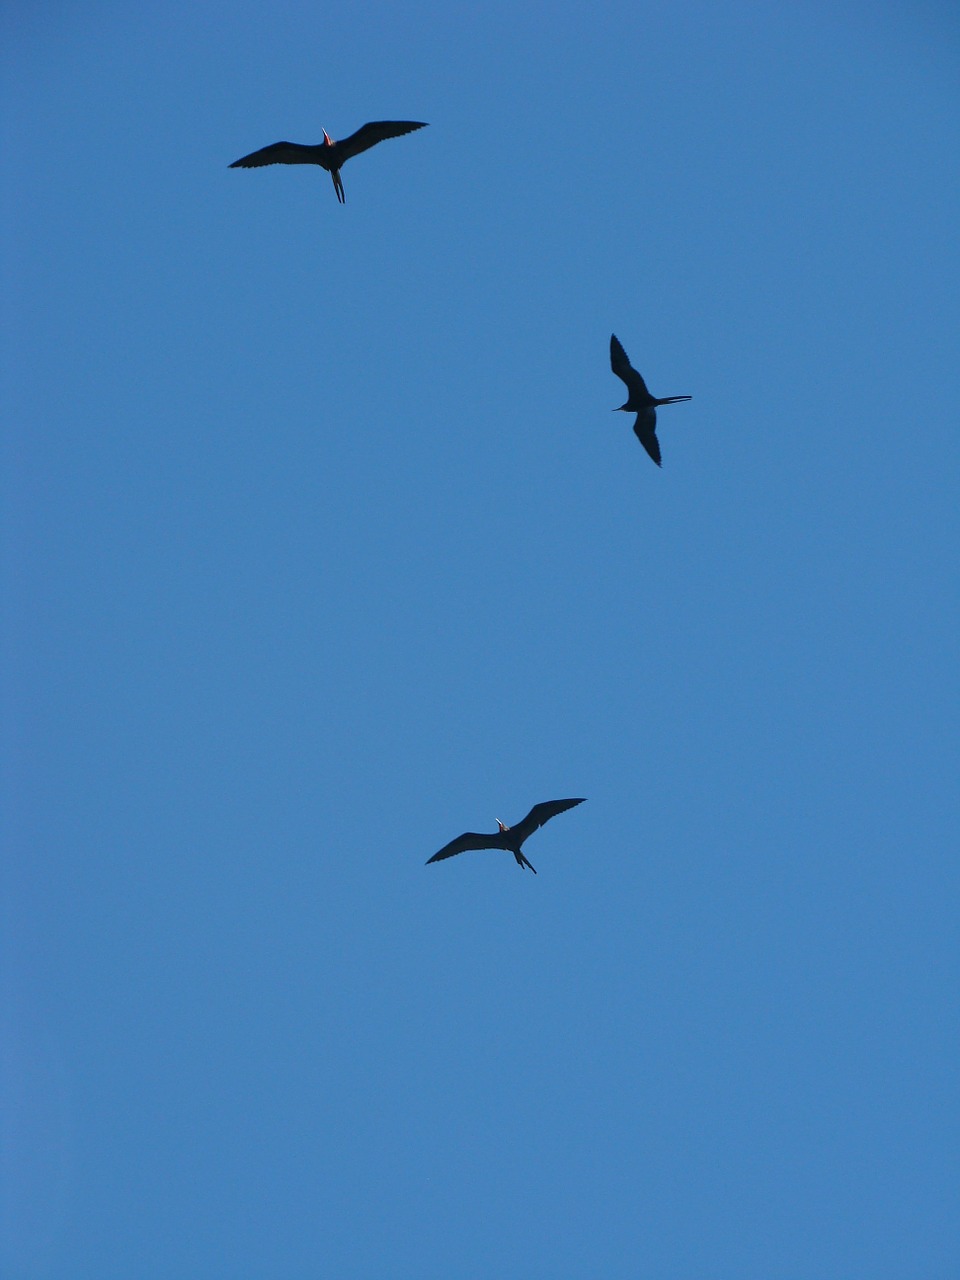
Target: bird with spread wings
x=328 y=154
x=639 y=400
x=509 y=838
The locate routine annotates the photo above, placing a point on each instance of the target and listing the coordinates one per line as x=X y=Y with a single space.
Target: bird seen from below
x=510 y=838
x=639 y=400
x=330 y=155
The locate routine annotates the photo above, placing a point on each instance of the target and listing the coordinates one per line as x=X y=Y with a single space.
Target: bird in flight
x=328 y=154
x=639 y=400
x=510 y=838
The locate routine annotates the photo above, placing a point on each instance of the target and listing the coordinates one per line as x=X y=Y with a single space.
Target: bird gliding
x=328 y=154
x=639 y=400
x=510 y=838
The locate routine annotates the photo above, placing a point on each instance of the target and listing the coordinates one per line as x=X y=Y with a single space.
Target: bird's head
x=327 y=140
x=501 y=827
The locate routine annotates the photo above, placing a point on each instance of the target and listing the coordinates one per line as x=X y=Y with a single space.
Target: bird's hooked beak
x=674 y=399
x=327 y=140
x=502 y=827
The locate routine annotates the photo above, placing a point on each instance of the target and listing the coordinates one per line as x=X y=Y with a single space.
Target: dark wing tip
x=393 y=128
x=448 y=851
x=572 y=804
x=441 y=854
x=469 y=840
x=275 y=153
x=560 y=805
x=619 y=360
x=547 y=809
x=651 y=444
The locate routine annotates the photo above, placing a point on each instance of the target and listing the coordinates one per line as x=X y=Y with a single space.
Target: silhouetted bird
x=328 y=154
x=639 y=400
x=507 y=837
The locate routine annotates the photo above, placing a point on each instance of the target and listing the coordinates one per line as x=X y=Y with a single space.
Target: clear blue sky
x=321 y=545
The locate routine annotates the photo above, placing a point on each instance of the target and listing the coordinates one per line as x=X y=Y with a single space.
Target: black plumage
x=639 y=400
x=510 y=838
x=328 y=154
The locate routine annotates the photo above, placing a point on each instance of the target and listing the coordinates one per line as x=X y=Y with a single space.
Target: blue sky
x=321 y=545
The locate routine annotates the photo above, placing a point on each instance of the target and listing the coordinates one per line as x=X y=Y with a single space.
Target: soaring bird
x=328 y=154
x=639 y=400
x=507 y=837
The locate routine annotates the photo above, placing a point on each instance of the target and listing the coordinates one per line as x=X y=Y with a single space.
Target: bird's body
x=639 y=400
x=328 y=154
x=509 y=838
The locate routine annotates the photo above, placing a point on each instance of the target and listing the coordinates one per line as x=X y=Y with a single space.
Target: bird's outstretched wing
x=541 y=813
x=368 y=135
x=621 y=366
x=277 y=153
x=469 y=840
x=645 y=429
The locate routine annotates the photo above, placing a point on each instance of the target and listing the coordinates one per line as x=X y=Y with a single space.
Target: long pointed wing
x=541 y=813
x=621 y=366
x=368 y=135
x=277 y=153
x=645 y=429
x=469 y=840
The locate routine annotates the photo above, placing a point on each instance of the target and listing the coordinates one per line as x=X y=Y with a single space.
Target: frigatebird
x=639 y=400
x=507 y=837
x=328 y=154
